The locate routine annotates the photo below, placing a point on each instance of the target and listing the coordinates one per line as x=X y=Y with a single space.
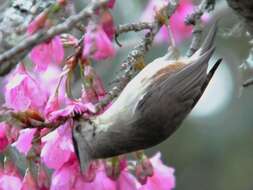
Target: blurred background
x=213 y=149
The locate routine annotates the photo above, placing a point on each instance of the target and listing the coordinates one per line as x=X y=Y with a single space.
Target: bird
x=149 y=109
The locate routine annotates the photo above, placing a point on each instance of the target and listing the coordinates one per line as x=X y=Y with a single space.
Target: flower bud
x=97 y=44
x=144 y=169
x=37 y=23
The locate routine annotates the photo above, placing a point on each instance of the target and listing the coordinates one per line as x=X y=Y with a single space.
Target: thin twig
x=17 y=53
x=128 y=65
x=195 y=20
x=248 y=82
x=135 y=56
x=136 y=27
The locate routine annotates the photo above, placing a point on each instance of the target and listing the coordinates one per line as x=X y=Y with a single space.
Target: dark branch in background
x=247 y=63
x=195 y=20
x=248 y=82
x=11 y=57
x=244 y=8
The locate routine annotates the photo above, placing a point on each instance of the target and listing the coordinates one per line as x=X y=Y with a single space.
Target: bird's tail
x=208 y=78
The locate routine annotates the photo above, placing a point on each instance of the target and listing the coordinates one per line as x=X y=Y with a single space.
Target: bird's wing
x=180 y=89
x=184 y=86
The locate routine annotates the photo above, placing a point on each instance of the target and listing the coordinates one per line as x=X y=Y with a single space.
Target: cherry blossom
x=126 y=181
x=24 y=142
x=38 y=95
x=111 y=3
x=107 y=23
x=178 y=27
x=37 y=23
x=97 y=44
x=23 y=92
x=47 y=53
x=64 y=177
x=163 y=177
x=3 y=136
x=8 y=182
x=57 y=144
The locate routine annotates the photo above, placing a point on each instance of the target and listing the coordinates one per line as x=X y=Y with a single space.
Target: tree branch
x=136 y=56
x=195 y=20
x=244 y=9
x=11 y=57
x=13 y=23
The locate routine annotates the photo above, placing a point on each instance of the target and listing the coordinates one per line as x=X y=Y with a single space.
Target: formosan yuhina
x=149 y=109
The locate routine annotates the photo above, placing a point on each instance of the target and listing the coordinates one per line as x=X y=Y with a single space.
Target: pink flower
x=179 y=29
x=101 y=182
x=49 y=81
x=23 y=92
x=29 y=182
x=126 y=181
x=58 y=146
x=163 y=177
x=3 y=136
x=37 y=23
x=111 y=3
x=8 y=182
x=85 y=105
x=144 y=169
x=53 y=104
x=47 y=53
x=24 y=142
x=97 y=44
x=68 y=177
x=107 y=23
x=72 y=107
x=63 y=178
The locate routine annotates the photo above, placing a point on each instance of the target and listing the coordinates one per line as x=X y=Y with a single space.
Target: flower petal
x=24 y=142
x=58 y=147
x=10 y=183
x=41 y=56
x=163 y=177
